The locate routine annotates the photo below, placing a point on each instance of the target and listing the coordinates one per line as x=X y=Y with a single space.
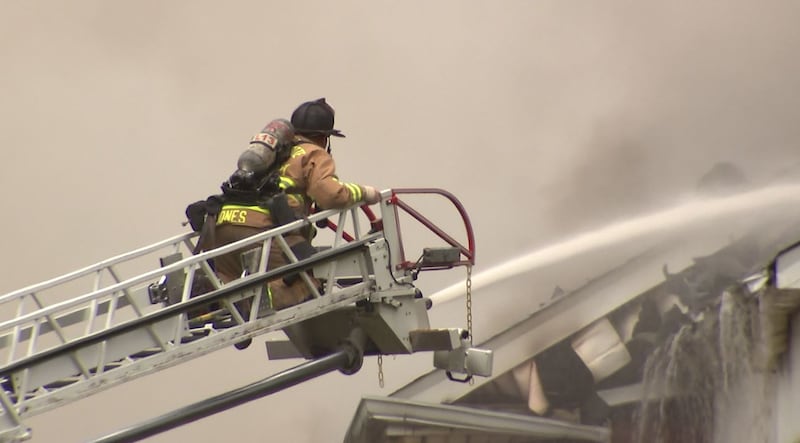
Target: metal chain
x=380 y=371
x=469 y=311
x=469 y=303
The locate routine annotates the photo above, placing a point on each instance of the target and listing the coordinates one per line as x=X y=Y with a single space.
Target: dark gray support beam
x=270 y=385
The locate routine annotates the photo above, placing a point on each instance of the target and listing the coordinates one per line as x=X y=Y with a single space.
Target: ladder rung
x=61 y=383
x=107 y=367
x=344 y=282
x=145 y=353
x=196 y=335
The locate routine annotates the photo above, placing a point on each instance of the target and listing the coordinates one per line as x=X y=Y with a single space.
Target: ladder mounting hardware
x=158 y=292
x=448 y=256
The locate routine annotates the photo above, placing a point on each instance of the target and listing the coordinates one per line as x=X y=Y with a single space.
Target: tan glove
x=371 y=195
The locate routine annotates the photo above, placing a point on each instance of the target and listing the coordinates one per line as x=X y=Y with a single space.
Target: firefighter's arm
x=326 y=189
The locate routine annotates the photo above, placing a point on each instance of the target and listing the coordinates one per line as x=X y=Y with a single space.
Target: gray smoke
x=545 y=118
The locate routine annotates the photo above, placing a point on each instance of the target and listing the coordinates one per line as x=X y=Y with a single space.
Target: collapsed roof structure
x=681 y=326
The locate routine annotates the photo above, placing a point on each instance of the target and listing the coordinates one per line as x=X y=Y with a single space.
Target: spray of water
x=691 y=213
x=679 y=389
x=704 y=384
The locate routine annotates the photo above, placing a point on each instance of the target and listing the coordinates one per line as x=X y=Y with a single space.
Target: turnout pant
x=229 y=266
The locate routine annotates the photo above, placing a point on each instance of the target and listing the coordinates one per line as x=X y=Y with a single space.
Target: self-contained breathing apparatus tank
x=256 y=177
x=257 y=165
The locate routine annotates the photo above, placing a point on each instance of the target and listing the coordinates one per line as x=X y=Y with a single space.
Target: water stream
x=706 y=384
x=693 y=213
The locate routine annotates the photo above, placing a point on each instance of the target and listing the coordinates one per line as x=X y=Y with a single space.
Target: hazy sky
x=544 y=117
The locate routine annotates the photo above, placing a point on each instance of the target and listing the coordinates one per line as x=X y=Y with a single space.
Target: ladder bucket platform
x=83 y=332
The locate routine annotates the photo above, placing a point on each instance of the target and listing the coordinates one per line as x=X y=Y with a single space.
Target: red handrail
x=467 y=251
x=377 y=224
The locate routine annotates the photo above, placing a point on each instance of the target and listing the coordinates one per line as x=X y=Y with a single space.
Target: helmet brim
x=327 y=132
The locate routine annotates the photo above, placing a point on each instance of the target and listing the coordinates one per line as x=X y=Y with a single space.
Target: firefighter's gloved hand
x=371 y=195
x=196 y=214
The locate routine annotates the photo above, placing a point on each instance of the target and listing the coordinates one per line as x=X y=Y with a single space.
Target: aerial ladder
x=61 y=341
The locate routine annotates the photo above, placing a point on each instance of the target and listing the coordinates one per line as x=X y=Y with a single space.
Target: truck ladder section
x=61 y=342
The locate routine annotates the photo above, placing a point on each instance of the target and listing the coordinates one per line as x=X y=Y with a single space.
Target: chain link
x=469 y=303
x=469 y=311
x=380 y=371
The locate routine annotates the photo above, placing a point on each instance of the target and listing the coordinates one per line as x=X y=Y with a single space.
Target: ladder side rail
x=97 y=267
x=115 y=352
x=295 y=314
x=157 y=340
x=125 y=301
x=11 y=296
x=53 y=324
x=189 y=351
x=172 y=310
x=82 y=361
x=150 y=275
x=119 y=294
x=65 y=320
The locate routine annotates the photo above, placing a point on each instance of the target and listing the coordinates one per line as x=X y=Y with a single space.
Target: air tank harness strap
x=202 y=217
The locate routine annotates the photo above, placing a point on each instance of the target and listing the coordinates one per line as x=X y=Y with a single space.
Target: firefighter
x=306 y=176
x=309 y=178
